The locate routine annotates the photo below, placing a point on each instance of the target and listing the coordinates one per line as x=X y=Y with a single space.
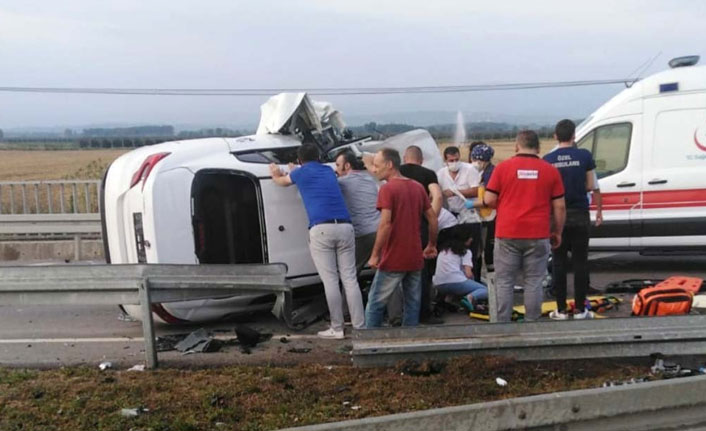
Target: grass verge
x=264 y=398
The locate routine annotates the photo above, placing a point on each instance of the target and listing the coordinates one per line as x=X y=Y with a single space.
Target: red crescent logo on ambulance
x=701 y=146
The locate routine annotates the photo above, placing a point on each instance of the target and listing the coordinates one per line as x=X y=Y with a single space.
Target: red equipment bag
x=664 y=299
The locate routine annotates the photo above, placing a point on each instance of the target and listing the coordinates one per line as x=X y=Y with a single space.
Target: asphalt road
x=51 y=336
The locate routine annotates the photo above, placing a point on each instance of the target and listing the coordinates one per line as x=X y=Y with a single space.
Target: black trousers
x=574 y=239
x=489 y=246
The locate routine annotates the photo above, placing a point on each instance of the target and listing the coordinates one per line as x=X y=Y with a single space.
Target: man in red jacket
x=529 y=196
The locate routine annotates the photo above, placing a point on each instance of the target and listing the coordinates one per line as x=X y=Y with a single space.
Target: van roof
x=666 y=83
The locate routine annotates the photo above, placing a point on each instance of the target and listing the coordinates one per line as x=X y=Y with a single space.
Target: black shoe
x=431 y=320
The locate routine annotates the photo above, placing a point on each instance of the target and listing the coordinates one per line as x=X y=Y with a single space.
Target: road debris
x=250 y=337
x=138 y=367
x=131 y=413
x=105 y=365
x=198 y=341
x=166 y=343
x=124 y=317
x=501 y=382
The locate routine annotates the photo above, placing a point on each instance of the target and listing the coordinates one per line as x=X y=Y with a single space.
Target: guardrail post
x=492 y=298
x=148 y=325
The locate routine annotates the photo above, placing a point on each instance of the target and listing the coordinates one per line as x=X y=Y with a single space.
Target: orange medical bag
x=673 y=296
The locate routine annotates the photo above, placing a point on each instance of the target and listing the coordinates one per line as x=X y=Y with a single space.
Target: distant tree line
x=139 y=131
x=474 y=131
x=131 y=137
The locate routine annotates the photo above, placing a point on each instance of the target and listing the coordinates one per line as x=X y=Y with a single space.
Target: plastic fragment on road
x=105 y=365
x=138 y=367
x=500 y=381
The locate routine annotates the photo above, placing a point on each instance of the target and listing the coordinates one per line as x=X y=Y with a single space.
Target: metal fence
x=677 y=404
x=50 y=197
x=144 y=285
x=531 y=341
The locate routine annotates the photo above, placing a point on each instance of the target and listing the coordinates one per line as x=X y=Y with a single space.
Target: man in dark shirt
x=413 y=169
x=576 y=167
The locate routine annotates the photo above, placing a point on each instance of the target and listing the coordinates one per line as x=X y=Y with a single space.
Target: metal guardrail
x=50 y=197
x=600 y=338
x=661 y=405
x=143 y=285
x=32 y=226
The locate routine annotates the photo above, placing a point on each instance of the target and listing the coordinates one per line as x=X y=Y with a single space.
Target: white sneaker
x=558 y=315
x=331 y=334
x=586 y=314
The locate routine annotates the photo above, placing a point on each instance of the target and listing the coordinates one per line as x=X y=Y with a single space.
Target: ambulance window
x=611 y=147
x=587 y=142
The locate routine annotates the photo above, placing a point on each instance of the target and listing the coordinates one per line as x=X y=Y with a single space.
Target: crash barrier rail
x=531 y=341
x=50 y=197
x=31 y=226
x=143 y=285
x=660 y=405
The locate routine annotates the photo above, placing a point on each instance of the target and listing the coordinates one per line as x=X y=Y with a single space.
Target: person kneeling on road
x=454 y=269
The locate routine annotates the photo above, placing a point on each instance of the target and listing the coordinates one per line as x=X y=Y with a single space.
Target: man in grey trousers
x=360 y=192
x=331 y=235
x=529 y=196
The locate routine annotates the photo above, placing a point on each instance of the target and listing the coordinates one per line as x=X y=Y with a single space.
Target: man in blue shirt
x=331 y=235
x=576 y=167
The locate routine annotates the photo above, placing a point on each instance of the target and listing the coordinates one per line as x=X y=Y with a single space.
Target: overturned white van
x=213 y=200
x=649 y=144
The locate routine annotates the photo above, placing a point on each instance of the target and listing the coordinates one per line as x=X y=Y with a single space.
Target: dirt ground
x=263 y=398
x=17 y=165
x=55 y=165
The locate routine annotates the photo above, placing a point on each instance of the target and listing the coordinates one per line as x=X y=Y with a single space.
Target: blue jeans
x=476 y=289
x=382 y=288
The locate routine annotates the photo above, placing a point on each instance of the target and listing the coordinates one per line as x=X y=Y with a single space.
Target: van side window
x=610 y=146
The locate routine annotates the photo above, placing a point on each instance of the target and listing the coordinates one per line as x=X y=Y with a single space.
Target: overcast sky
x=327 y=43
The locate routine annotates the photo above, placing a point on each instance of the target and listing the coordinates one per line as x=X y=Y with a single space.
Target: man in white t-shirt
x=458 y=181
x=457 y=178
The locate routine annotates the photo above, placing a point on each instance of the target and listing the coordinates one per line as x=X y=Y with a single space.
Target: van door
x=618 y=165
x=674 y=200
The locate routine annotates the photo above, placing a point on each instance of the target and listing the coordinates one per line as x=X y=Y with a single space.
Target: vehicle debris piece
x=124 y=317
x=131 y=413
x=166 y=343
x=194 y=341
x=250 y=337
x=105 y=365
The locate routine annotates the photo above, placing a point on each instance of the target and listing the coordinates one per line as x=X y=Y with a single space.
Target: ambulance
x=649 y=144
